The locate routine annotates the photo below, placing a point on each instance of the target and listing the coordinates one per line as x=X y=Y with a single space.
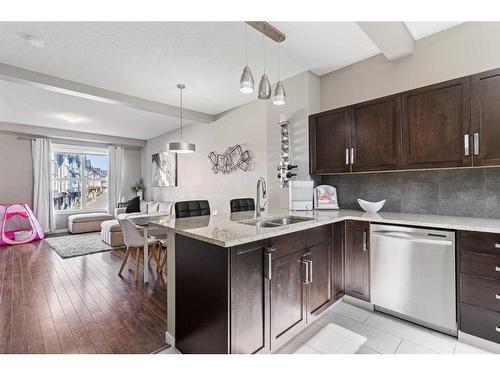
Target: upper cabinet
x=436 y=126
x=446 y=125
x=329 y=142
x=376 y=135
x=486 y=117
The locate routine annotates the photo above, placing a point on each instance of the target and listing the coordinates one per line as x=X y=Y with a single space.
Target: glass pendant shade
x=264 y=87
x=246 y=81
x=279 y=97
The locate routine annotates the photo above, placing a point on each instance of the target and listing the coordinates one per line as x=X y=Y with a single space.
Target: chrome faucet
x=261 y=183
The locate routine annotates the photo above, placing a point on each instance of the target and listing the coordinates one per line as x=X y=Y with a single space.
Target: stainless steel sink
x=276 y=222
x=260 y=223
x=287 y=220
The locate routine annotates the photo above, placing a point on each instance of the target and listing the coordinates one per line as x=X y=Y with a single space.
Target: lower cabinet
x=280 y=285
x=357 y=259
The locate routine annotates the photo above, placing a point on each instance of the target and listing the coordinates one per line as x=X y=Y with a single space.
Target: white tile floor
x=348 y=329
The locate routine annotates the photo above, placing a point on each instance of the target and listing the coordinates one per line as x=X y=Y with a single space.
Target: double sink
x=275 y=222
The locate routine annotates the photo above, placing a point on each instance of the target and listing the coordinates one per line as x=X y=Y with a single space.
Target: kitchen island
x=240 y=288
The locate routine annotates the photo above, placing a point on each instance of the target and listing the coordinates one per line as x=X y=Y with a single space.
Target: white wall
x=255 y=126
x=463 y=50
x=245 y=125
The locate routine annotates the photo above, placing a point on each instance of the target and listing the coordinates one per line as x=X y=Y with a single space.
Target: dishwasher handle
x=412 y=238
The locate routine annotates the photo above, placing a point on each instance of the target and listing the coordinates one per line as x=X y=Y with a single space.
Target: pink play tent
x=18 y=225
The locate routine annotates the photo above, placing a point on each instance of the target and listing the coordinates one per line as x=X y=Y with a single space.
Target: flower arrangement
x=138 y=187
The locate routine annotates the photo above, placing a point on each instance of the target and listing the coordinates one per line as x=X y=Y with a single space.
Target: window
x=79 y=179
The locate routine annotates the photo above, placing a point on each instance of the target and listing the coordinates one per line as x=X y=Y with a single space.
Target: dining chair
x=192 y=208
x=160 y=259
x=242 y=204
x=133 y=238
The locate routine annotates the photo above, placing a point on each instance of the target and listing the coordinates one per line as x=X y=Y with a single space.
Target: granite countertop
x=225 y=229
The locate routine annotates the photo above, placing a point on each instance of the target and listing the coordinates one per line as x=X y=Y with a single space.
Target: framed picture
x=164 y=170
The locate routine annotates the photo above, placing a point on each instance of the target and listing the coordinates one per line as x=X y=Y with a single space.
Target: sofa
x=111 y=231
x=85 y=223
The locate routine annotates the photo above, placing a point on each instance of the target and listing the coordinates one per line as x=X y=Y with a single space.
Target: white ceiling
x=148 y=59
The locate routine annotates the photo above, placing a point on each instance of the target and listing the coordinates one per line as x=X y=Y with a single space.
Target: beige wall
x=466 y=49
x=16 y=173
x=16 y=164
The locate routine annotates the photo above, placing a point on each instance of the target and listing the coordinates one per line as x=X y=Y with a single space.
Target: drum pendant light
x=264 y=85
x=181 y=147
x=246 y=80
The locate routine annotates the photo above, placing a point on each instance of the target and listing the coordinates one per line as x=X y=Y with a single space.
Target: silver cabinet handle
x=306 y=277
x=346 y=156
x=497 y=245
x=268 y=263
x=476 y=143
x=466 y=145
x=497 y=328
x=497 y=268
x=365 y=241
x=497 y=296
x=352 y=155
x=310 y=262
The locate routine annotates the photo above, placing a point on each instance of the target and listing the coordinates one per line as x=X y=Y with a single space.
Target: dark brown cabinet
x=479 y=284
x=357 y=259
x=319 y=284
x=329 y=142
x=436 y=125
x=485 y=113
x=376 y=135
x=338 y=260
x=250 y=321
x=288 y=314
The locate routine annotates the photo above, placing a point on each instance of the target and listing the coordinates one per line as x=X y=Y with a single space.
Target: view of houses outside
x=74 y=175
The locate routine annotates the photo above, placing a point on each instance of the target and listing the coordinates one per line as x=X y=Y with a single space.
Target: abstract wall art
x=233 y=159
x=164 y=169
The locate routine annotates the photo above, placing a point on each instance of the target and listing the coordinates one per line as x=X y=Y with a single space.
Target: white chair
x=159 y=259
x=133 y=239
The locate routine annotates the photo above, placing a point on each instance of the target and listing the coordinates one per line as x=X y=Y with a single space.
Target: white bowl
x=371 y=207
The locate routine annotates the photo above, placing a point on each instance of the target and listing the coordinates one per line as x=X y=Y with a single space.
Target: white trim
x=79 y=149
x=169 y=339
x=359 y=303
x=478 y=342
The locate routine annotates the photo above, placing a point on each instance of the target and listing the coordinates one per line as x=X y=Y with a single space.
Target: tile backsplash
x=471 y=192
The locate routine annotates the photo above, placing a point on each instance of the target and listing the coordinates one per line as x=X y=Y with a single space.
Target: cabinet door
x=338 y=260
x=436 y=125
x=329 y=142
x=376 y=135
x=249 y=299
x=486 y=117
x=319 y=286
x=357 y=261
x=288 y=313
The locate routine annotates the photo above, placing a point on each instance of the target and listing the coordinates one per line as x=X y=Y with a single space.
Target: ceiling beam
x=63 y=86
x=392 y=38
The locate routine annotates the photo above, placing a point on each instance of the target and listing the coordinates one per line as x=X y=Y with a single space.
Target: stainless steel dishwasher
x=412 y=275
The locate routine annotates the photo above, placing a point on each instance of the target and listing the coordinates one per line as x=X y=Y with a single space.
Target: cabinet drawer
x=318 y=235
x=480 y=291
x=288 y=244
x=481 y=242
x=487 y=265
x=480 y=322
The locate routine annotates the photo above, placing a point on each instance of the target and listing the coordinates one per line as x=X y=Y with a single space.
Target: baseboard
x=169 y=339
x=478 y=342
x=359 y=303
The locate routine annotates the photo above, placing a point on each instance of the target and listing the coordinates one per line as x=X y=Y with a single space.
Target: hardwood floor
x=78 y=305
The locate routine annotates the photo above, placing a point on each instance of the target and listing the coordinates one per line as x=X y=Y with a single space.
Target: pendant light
x=181 y=147
x=279 y=97
x=246 y=80
x=264 y=85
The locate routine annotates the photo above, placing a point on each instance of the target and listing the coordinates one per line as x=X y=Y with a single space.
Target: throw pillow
x=133 y=205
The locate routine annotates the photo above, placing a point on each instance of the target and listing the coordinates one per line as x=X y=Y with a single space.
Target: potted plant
x=138 y=189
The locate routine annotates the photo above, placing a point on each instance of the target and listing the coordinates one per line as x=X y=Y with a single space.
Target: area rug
x=75 y=245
